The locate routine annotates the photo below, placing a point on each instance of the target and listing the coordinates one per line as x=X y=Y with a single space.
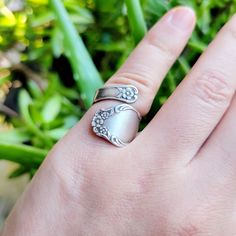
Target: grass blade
x=136 y=19
x=85 y=73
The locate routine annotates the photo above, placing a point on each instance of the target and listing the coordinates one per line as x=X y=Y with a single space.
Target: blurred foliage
x=38 y=64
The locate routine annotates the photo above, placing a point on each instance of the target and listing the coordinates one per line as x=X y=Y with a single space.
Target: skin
x=177 y=178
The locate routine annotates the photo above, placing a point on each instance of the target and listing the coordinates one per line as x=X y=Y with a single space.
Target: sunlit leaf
x=57 y=134
x=57 y=42
x=34 y=89
x=38 y=2
x=18 y=172
x=20 y=135
x=22 y=154
x=51 y=108
x=24 y=102
x=7 y=18
x=43 y=19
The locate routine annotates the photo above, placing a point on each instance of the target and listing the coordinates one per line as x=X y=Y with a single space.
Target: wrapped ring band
x=118 y=124
x=124 y=93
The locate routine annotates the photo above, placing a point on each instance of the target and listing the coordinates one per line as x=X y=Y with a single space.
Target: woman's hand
x=176 y=178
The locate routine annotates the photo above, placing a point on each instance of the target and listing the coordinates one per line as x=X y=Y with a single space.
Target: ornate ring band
x=124 y=93
x=118 y=124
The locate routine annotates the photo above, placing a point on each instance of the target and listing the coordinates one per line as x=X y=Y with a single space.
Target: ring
x=124 y=93
x=118 y=124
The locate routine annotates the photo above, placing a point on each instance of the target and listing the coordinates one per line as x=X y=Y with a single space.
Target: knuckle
x=213 y=89
x=140 y=78
x=143 y=82
x=188 y=230
x=162 y=47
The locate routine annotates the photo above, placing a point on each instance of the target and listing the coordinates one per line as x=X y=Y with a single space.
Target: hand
x=176 y=178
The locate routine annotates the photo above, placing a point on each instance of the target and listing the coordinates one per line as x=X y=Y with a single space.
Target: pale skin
x=176 y=178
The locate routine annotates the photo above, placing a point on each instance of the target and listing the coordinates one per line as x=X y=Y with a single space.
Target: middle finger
x=193 y=111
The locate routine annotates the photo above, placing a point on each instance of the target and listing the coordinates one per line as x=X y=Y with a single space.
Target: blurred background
x=55 y=53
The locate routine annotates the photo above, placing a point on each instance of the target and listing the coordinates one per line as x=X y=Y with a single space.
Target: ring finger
x=147 y=66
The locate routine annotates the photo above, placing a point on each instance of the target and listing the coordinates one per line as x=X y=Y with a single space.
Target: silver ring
x=124 y=93
x=118 y=124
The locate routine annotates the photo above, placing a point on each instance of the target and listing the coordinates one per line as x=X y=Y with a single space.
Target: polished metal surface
x=124 y=93
x=118 y=124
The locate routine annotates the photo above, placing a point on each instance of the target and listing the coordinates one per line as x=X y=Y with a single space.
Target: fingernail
x=182 y=17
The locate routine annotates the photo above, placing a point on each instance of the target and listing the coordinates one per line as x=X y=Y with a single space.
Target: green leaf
x=57 y=42
x=57 y=134
x=24 y=102
x=42 y=19
x=51 y=108
x=70 y=121
x=18 y=172
x=171 y=83
x=38 y=2
x=34 y=89
x=15 y=136
x=36 y=114
x=184 y=64
x=154 y=9
x=22 y=154
x=4 y=76
x=198 y=46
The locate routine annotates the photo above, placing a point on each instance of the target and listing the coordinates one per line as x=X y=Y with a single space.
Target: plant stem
x=22 y=154
x=136 y=19
x=85 y=73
